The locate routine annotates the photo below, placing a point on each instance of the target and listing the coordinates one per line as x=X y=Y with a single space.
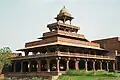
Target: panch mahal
x=62 y=49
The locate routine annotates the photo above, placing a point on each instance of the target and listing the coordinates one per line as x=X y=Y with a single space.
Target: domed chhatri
x=64 y=15
x=64 y=11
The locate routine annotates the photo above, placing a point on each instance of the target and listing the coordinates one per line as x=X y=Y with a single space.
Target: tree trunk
x=1 y=69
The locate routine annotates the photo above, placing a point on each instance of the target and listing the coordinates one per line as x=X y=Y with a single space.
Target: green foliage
x=87 y=78
x=92 y=73
x=5 y=55
x=36 y=78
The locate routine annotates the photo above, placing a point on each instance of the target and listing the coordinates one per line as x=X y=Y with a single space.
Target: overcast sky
x=25 y=20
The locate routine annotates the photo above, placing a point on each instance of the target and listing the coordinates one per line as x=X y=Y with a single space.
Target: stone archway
x=63 y=66
x=43 y=65
x=17 y=66
x=97 y=65
x=53 y=65
x=71 y=64
x=82 y=64
x=104 y=65
x=33 y=66
x=25 y=66
x=11 y=67
x=110 y=66
x=90 y=65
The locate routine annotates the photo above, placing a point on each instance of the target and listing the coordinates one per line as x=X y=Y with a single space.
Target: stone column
x=29 y=63
x=67 y=64
x=107 y=65
x=116 y=64
x=14 y=66
x=39 y=65
x=26 y=53
x=48 y=65
x=94 y=65
x=86 y=65
x=21 y=66
x=58 y=65
x=100 y=65
x=113 y=66
x=76 y=64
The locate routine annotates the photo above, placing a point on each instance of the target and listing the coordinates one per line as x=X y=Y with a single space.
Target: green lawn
x=87 y=78
x=89 y=75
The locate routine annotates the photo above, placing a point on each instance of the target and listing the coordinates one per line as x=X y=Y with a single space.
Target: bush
x=34 y=78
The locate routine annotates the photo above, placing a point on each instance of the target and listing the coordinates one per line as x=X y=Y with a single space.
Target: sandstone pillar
x=113 y=66
x=93 y=65
x=21 y=66
x=26 y=53
x=107 y=65
x=29 y=65
x=86 y=65
x=48 y=65
x=100 y=65
x=67 y=64
x=39 y=65
x=14 y=66
x=58 y=65
x=76 y=64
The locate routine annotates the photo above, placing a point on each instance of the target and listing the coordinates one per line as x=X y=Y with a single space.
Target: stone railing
x=67 y=54
x=86 y=55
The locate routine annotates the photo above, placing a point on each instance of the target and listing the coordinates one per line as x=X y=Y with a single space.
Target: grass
x=87 y=78
x=89 y=75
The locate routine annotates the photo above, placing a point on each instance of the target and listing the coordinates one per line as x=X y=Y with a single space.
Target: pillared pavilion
x=60 y=49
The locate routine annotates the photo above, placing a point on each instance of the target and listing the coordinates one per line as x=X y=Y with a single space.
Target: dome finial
x=64 y=6
x=64 y=15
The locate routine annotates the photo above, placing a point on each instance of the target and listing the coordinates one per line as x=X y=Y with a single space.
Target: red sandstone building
x=61 y=49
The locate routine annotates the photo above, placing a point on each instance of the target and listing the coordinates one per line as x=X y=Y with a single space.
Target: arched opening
x=33 y=66
x=63 y=65
x=11 y=67
x=110 y=64
x=25 y=66
x=97 y=65
x=71 y=64
x=82 y=64
x=53 y=66
x=43 y=65
x=118 y=65
x=17 y=66
x=90 y=65
x=104 y=66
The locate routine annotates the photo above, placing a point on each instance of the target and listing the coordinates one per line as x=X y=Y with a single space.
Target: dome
x=64 y=11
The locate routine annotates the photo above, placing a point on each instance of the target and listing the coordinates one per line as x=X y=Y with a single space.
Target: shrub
x=92 y=73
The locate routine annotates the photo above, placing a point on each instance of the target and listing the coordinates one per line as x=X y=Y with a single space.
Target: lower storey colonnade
x=56 y=64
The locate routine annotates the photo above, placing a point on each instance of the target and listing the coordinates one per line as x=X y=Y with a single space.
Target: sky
x=22 y=21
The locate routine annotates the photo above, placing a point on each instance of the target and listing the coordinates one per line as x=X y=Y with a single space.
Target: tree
x=5 y=57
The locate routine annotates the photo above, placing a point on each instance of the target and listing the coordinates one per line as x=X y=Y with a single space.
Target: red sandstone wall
x=110 y=44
